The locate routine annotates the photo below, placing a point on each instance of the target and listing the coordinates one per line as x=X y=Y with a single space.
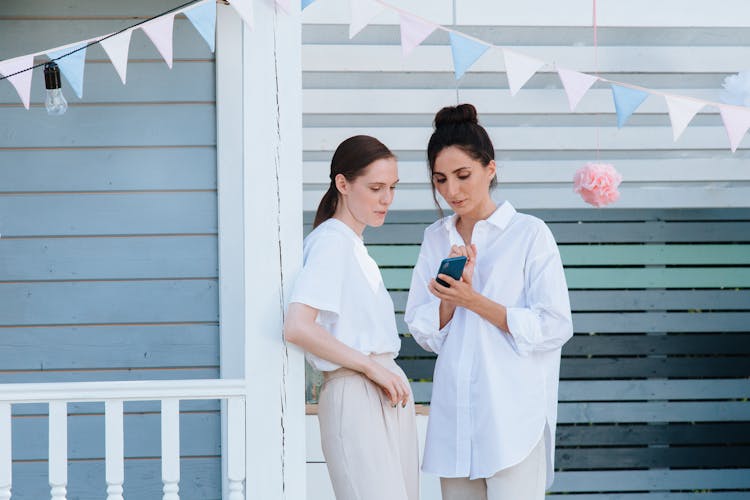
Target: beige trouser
x=523 y=481
x=370 y=447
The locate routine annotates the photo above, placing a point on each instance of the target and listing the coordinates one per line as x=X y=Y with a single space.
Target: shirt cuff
x=425 y=326
x=524 y=329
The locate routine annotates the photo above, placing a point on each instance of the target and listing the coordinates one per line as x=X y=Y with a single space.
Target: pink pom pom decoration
x=597 y=183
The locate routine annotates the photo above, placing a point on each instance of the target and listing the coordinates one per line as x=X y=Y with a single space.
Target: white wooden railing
x=113 y=394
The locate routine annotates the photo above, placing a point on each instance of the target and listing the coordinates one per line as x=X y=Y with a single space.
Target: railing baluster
x=58 y=449
x=6 y=456
x=236 y=447
x=170 y=448
x=114 y=443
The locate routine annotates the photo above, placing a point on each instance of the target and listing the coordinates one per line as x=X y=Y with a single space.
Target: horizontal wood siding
x=366 y=86
x=108 y=244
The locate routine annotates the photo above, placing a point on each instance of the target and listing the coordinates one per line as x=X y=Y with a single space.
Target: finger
x=447 y=279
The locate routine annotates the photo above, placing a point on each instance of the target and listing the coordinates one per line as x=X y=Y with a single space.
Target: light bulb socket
x=52 y=76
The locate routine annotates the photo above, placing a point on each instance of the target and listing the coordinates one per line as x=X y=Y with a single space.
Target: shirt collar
x=341 y=227
x=500 y=218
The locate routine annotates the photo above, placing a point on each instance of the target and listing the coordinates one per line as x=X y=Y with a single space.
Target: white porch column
x=259 y=144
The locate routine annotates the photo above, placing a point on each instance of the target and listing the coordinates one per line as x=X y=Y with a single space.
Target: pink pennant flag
x=363 y=11
x=520 y=69
x=160 y=32
x=117 y=48
x=413 y=32
x=21 y=81
x=245 y=10
x=285 y=4
x=736 y=121
x=576 y=85
x=681 y=112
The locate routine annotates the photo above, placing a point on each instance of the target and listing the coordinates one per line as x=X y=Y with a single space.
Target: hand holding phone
x=453 y=267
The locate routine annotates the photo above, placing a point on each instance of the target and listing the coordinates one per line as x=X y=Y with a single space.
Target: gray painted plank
x=108 y=169
x=644 y=480
x=200 y=478
x=37 y=376
x=109 y=347
x=691 y=411
x=716 y=495
x=108 y=214
x=724 y=433
x=106 y=302
x=110 y=125
x=631 y=458
x=108 y=258
x=81 y=9
x=26 y=410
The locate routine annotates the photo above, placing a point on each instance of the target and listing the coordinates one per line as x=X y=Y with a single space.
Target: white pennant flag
x=159 y=31
x=362 y=13
x=245 y=9
x=22 y=81
x=413 y=32
x=736 y=122
x=576 y=85
x=117 y=48
x=285 y=4
x=681 y=112
x=520 y=69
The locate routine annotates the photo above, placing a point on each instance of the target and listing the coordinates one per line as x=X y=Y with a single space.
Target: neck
x=344 y=215
x=481 y=213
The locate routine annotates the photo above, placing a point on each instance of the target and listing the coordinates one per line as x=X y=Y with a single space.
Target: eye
x=438 y=180
x=393 y=188
x=375 y=189
x=464 y=176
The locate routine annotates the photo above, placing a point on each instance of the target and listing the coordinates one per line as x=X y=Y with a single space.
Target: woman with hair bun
x=498 y=330
x=341 y=314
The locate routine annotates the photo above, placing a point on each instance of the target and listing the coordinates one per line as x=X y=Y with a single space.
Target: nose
x=451 y=187
x=387 y=198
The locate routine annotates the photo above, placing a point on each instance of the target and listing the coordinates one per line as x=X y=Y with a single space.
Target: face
x=462 y=181
x=367 y=198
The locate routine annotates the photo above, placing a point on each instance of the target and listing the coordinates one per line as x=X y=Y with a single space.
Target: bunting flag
x=681 y=112
x=306 y=3
x=363 y=11
x=117 y=48
x=71 y=66
x=465 y=52
x=413 y=32
x=245 y=10
x=736 y=122
x=520 y=69
x=285 y=4
x=576 y=85
x=627 y=101
x=203 y=17
x=22 y=81
x=160 y=32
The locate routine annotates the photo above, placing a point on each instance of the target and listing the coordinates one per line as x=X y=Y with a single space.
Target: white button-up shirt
x=494 y=394
x=342 y=281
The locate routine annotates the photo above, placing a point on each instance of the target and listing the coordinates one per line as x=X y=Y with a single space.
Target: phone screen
x=453 y=267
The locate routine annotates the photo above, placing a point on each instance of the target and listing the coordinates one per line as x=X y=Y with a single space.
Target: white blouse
x=494 y=394
x=342 y=281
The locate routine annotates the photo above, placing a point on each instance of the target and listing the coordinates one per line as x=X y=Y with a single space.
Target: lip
x=458 y=203
x=381 y=213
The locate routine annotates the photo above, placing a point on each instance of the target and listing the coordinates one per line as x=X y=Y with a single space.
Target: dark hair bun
x=454 y=115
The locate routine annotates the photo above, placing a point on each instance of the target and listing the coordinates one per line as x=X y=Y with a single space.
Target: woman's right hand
x=394 y=386
x=470 y=252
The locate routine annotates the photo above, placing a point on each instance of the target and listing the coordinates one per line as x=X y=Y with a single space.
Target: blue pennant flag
x=203 y=17
x=465 y=52
x=627 y=101
x=305 y=3
x=72 y=66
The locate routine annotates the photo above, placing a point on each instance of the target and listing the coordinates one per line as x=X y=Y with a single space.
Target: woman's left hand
x=459 y=294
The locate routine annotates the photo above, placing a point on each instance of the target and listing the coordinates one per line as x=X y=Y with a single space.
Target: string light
x=54 y=99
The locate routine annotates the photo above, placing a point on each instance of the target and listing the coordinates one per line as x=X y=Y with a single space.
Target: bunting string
x=466 y=50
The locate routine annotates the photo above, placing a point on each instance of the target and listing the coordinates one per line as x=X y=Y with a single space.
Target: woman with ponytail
x=497 y=331
x=341 y=314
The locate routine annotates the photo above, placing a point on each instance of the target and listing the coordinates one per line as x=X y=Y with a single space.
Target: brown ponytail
x=350 y=159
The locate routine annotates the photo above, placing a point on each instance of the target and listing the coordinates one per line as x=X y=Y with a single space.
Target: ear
x=341 y=183
x=491 y=169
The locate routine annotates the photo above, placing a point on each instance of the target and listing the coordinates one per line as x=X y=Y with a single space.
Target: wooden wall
x=108 y=247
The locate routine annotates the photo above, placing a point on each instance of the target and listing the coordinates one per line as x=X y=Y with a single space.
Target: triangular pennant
x=117 y=48
x=362 y=13
x=413 y=32
x=203 y=17
x=465 y=52
x=306 y=3
x=245 y=9
x=22 y=81
x=285 y=4
x=681 y=111
x=736 y=121
x=576 y=85
x=627 y=101
x=159 y=31
x=71 y=66
x=520 y=69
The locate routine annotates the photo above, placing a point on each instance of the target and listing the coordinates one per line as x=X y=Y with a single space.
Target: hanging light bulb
x=54 y=101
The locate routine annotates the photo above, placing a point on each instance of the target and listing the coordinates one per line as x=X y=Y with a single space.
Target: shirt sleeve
x=422 y=313
x=320 y=283
x=546 y=323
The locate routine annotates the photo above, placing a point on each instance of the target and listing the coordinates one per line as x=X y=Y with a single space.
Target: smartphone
x=453 y=267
